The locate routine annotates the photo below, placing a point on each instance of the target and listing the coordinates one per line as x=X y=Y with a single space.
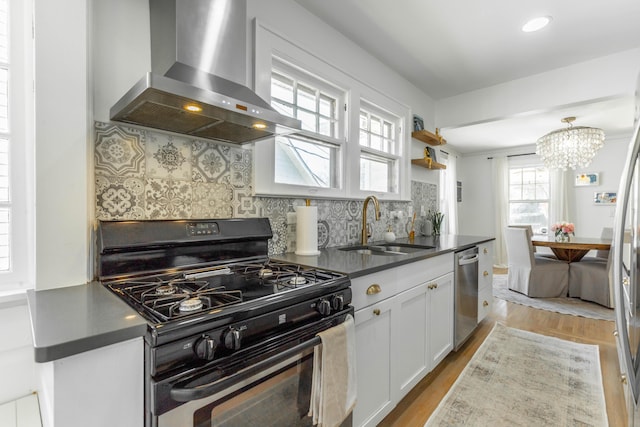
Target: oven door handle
x=186 y=394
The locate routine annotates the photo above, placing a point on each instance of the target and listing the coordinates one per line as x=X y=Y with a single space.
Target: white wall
x=609 y=163
x=63 y=134
x=476 y=212
x=17 y=366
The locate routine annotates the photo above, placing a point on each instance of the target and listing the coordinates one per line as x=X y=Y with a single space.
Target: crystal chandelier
x=571 y=147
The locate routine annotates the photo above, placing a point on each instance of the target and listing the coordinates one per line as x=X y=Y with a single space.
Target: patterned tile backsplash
x=142 y=174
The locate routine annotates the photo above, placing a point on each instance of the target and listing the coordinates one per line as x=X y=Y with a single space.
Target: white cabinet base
x=98 y=388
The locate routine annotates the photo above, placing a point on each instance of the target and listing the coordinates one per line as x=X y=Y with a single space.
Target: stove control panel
x=202 y=228
x=218 y=342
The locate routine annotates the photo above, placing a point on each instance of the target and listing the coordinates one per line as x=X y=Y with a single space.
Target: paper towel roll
x=307 y=230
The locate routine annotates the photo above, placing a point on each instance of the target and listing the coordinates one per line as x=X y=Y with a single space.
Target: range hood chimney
x=198 y=65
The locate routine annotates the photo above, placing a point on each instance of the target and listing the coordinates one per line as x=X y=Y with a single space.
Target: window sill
x=13 y=298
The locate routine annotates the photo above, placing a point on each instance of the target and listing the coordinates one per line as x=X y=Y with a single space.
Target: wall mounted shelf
x=428 y=163
x=430 y=138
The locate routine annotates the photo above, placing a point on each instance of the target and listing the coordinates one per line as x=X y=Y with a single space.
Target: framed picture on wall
x=605 y=198
x=432 y=153
x=587 y=178
x=418 y=123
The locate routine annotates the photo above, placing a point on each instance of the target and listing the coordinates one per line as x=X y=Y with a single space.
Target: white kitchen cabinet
x=103 y=387
x=404 y=322
x=485 y=279
x=412 y=333
x=441 y=318
x=374 y=360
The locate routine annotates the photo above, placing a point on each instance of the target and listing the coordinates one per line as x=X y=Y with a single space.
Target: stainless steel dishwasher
x=466 y=295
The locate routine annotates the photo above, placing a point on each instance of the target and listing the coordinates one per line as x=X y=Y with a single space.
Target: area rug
x=572 y=306
x=518 y=378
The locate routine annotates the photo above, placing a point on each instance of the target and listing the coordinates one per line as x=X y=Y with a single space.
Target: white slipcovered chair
x=534 y=276
x=589 y=277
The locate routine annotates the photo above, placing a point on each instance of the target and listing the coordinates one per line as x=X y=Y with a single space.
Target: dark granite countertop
x=75 y=319
x=355 y=264
x=72 y=320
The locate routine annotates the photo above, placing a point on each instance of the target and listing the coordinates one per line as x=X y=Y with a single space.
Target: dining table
x=574 y=249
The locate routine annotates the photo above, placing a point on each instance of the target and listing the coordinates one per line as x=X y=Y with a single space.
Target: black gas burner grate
x=170 y=296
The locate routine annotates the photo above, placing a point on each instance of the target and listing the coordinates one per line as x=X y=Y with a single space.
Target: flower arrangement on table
x=562 y=231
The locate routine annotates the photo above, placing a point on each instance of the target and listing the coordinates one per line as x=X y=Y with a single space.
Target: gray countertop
x=355 y=264
x=72 y=320
x=75 y=319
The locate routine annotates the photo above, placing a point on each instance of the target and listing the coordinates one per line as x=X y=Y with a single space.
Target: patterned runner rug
x=572 y=306
x=518 y=378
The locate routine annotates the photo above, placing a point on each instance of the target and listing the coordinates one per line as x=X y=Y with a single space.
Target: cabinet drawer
x=485 y=277
x=375 y=287
x=485 y=301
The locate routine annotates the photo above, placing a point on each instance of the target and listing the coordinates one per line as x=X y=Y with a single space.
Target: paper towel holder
x=307 y=229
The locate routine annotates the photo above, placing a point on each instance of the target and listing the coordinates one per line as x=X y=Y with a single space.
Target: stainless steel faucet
x=366 y=232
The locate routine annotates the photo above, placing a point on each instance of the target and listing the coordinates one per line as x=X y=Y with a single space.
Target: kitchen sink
x=405 y=247
x=387 y=249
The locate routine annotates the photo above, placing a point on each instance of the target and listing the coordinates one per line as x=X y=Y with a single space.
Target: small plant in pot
x=436 y=220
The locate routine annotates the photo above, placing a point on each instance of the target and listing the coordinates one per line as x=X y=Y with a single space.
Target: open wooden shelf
x=430 y=138
x=428 y=163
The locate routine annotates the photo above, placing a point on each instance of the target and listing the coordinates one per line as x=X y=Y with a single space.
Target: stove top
x=166 y=297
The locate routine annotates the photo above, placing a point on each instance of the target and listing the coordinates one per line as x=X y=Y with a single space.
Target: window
x=308 y=158
x=16 y=141
x=352 y=142
x=529 y=197
x=379 y=145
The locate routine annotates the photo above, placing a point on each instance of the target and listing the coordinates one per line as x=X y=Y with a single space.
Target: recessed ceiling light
x=536 y=24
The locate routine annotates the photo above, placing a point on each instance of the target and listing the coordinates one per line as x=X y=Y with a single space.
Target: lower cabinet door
x=411 y=338
x=374 y=358
x=441 y=318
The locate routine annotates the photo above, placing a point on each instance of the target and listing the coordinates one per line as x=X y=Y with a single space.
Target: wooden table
x=574 y=249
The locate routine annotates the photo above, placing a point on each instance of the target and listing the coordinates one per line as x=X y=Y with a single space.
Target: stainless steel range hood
x=198 y=63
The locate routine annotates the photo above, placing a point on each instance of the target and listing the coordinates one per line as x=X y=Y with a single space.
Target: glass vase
x=562 y=237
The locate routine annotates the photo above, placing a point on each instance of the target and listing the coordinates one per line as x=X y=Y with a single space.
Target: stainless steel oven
x=231 y=333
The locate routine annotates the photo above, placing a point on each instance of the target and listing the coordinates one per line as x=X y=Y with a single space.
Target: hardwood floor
x=415 y=408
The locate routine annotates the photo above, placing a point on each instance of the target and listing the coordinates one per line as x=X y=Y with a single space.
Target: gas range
x=213 y=277
x=220 y=313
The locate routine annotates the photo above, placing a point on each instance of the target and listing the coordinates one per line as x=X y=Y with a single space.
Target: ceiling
x=449 y=47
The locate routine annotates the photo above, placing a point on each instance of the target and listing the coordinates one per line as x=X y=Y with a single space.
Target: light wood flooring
x=415 y=408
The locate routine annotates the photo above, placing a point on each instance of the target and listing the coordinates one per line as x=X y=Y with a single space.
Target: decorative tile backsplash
x=142 y=174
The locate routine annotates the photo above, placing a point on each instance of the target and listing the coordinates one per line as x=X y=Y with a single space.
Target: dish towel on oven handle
x=333 y=384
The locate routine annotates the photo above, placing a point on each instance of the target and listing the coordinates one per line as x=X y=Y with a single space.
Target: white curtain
x=500 y=183
x=562 y=203
x=448 y=194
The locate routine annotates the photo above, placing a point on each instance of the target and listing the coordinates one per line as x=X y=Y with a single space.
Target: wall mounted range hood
x=198 y=63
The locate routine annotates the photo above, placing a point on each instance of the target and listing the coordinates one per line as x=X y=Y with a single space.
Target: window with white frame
x=16 y=110
x=308 y=158
x=352 y=139
x=529 y=191
x=379 y=149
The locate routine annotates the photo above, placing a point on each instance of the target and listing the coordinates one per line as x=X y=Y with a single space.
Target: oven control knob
x=205 y=347
x=232 y=339
x=337 y=303
x=324 y=307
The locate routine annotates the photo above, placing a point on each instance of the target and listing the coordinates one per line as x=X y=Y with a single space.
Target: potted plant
x=436 y=220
